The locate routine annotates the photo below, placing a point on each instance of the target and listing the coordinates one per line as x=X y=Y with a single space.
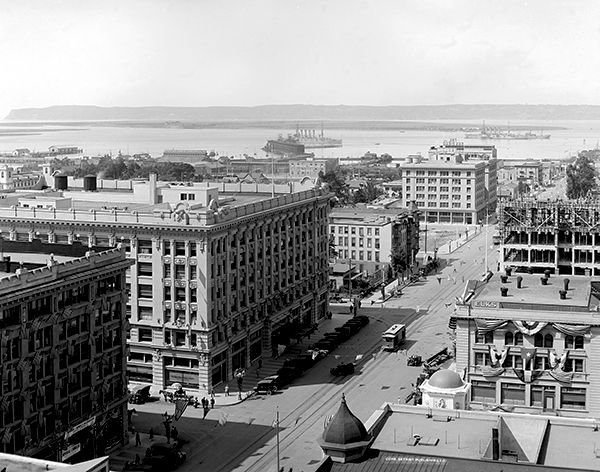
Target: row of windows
x=541 y=362
x=352 y=230
x=343 y=241
x=441 y=204
x=455 y=173
x=571 y=398
x=345 y=254
x=539 y=340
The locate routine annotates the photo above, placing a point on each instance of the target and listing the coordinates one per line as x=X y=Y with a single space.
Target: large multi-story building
x=63 y=351
x=451 y=190
x=367 y=238
x=222 y=272
x=562 y=237
x=531 y=343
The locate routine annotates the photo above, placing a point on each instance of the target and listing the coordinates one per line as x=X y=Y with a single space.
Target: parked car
x=268 y=385
x=343 y=369
x=139 y=394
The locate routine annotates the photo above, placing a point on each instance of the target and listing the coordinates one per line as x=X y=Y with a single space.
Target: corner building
x=531 y=346
x=63 y=354
x=221 y=274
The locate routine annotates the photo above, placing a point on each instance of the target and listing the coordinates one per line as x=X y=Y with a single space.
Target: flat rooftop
x=567 y=443
x=533 y=295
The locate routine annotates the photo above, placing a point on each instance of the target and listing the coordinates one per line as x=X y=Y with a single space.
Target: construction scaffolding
x=560 y=236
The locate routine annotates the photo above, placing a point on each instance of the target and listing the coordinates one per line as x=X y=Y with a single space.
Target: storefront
x=255 y=340
x=219 y=368
x=238 y=355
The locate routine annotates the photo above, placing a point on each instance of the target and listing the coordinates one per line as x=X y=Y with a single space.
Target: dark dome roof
x=345 y=428
x=445 y=379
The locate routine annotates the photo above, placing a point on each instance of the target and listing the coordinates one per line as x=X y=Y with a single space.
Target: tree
x=522 y=188
x=581 y=176
x=337 y=184
x=368 y=192
x=333 y=252
x=398 y=259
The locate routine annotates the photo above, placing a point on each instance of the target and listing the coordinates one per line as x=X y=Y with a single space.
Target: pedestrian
x=138 y=440
x=204 y=402
x=151 y=434
x=212 y=402
x=212 y=393
x=227 y=386
x=174 y=433
x=260 y=363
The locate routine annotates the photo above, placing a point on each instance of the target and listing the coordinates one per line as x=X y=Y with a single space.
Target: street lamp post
x=350 y=278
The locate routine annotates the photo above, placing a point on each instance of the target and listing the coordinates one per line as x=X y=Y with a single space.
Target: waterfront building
x=561 y=236
x=530 y=172
x=63 y=360
x=531 y=344
x=185 y=155
x=222 y=272
x=61 y=150
x=310 y=167
x=451 y=190
x=367 y=238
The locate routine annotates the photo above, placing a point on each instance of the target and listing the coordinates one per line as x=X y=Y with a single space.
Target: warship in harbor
x=499 y=133
x=309 y=138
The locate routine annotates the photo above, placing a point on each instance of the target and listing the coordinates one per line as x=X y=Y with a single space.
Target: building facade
x=367 y=238
x=531 y=346
x=562 y=237
x=447 y=191
x=221 y=273
x=311 y=168
x=63 y=334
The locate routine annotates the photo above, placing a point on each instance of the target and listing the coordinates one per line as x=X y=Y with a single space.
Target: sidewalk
x=128 y=452
x=270 y=365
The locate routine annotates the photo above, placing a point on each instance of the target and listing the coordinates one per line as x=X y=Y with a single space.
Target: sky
x=320 y=52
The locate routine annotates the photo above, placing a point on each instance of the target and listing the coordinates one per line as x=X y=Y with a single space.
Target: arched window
x=487 y=338
x=569 y=342
x=548 y=340
x=578 y=342
x=518 y=338
x=509 y=339
x=538 y=340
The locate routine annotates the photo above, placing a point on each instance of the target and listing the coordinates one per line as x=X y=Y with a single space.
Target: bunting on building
x=527 y=376
x=488 y=371
x=572 y=330
x=529 y=328
x=561 y=376
x=485 y=326
x=497 y=359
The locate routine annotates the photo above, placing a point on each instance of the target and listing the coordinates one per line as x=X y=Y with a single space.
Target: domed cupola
x=445 y=389
x=345 y=437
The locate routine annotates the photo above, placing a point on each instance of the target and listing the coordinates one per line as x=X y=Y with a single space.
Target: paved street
x=247 y=442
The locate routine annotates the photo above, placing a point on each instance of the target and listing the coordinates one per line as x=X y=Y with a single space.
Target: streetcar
x=393 y=337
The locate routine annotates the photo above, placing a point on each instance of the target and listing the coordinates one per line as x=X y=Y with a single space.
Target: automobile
x=268 y=385
x=325 y=345
x=364 y=320
x=163 y=456
x=297 y=363
x=139 y=394
x=288 y=374
x=343 y=369
x=344 y=331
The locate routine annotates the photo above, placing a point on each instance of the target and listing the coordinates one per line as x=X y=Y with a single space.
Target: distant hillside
x=312 y=112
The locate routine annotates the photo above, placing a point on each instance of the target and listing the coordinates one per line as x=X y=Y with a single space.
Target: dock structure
x=561 y=236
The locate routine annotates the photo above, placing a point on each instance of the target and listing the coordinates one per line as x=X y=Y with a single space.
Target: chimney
x=566 y=284
x=519 y=281
x=7 y=264
x=152 y=179
x=495 y=444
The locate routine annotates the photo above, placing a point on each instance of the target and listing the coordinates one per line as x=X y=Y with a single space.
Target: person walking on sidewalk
x=212 y=402
x=260 y=363
x=226 y=390
x=138 y=440
x=174 y=433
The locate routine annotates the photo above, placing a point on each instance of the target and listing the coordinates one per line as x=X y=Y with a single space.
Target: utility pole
x=350 y=279
x=487 y=223
x=277 y=426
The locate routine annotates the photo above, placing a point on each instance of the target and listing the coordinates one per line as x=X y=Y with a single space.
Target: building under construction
x=563 y=236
